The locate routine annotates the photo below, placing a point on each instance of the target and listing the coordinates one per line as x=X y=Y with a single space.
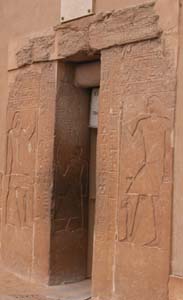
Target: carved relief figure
x=139 y=209
x=71 y=198
x=20 y=169
x=21 y=144
x=19 y=205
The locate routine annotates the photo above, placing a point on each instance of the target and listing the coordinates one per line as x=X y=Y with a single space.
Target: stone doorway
x=74 y=180
x=53 y=246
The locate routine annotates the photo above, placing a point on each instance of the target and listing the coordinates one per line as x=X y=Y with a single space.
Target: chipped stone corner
x=37 y=47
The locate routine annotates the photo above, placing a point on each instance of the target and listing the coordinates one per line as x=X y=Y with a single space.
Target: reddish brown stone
x=26 y=206
x=106 y=30
x=28 y=50
x=133 y=218
x=81 y=39
x=123 y=27
x=175 y=288
x=47 y=119
x=68 y=256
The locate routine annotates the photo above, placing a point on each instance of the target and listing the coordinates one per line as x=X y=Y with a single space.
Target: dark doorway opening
x=73 y=203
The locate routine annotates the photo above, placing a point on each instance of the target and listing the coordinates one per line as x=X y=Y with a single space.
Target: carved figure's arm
x=9 y=157
x=134 y=124
x=31 y=127
x=137 y=133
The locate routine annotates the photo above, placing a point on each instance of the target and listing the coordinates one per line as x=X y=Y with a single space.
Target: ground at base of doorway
x=14 y=288
x=31 y=297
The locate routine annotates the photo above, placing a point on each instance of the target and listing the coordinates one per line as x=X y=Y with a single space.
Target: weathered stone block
x=34 y=48
x=29 y=160
x=85 y=37
x=123 y=27
x=134 y=201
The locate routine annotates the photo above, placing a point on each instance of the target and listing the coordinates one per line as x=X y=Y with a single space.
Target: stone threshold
x=35 y=297
x=12 y=288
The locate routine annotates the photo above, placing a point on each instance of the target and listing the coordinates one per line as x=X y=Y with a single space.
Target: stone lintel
x=83 y=39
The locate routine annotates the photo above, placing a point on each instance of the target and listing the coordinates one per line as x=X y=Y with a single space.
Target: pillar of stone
x=134 y=177
x=28 y=179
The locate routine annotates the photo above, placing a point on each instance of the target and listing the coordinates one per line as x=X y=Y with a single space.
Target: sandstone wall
x=161 y=63
x=17 y=19
x=26 y=17
x=176 y=283
x=133 y=213
x=28 y=180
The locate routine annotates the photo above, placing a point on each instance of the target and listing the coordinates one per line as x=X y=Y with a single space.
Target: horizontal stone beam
x=84 y=38
x=92 y=34
x=123 y=27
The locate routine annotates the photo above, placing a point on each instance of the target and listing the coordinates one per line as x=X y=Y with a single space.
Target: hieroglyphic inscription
x=28 y=172
x=24 y=90
x=139 y=205
x=20 y=167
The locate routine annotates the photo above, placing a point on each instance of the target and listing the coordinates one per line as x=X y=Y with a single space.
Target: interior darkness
x=69 y=228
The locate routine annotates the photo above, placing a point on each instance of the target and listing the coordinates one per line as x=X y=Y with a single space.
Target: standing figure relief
x=21 y=144
x=71 y=197
x=138 y=217
x=20 y=168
